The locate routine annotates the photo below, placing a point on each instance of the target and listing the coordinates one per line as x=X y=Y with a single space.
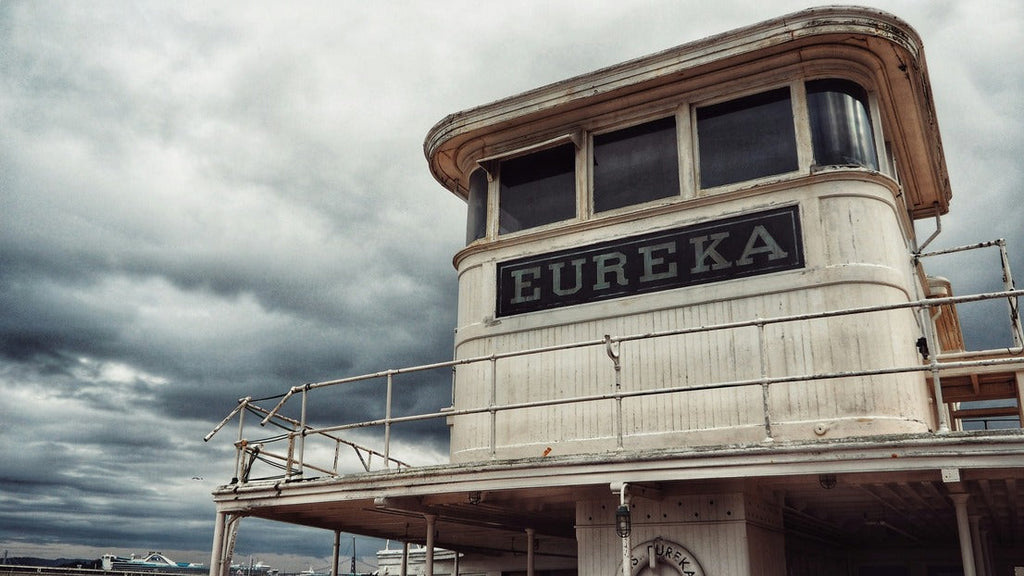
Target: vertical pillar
x=987 y=554
x=978 y=545
x=352 y=567
x=529 y=551
x=337 y=551
x=405 y=560
x=964 y=529
x=428 y=561
x=302 y=435
x=217 y=555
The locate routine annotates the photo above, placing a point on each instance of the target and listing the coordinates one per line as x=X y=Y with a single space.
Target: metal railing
x=292 y=461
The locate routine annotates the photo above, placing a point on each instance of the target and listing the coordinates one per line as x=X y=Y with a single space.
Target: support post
x=337 y=551
x=387 y=421
x=302 y=433
x=928 y=324
x=217 y=555
x=964 y=529
x=1015 y=327
x=530 y=558
x=404 y=570
x=492 y=401
x=428 y=560
x=614 y=353
x=240 y=449
x=765 y=389
x=978 y=545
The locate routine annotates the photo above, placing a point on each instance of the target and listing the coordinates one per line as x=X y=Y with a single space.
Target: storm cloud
x=201 y=202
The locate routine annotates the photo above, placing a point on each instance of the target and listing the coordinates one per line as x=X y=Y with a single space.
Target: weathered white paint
x=856 y=255
x=858 y=239
x=731 y=533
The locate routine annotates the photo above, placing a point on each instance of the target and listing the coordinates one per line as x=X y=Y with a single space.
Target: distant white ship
x=253 y=568
x=151 y=562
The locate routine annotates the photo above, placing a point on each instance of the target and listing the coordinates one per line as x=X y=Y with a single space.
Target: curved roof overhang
x=813 y=41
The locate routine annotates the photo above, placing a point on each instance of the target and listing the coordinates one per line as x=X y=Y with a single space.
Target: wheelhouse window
x=840 y=124
x=739 y=140
x=747 y=138
x=537 y=189
x=635 y=165
x=476 y=220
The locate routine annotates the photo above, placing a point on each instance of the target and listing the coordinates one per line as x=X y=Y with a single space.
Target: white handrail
x=937 y=364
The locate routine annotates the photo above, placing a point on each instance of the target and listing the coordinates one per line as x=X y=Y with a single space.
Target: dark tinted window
x=636 y=165
x=840 y=124
x=746 y=138
x=476 y=219
x=538 y=189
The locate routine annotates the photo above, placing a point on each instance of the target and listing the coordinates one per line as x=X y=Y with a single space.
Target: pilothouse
x=695 y=335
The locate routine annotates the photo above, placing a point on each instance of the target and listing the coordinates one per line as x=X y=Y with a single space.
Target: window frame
x=679 y=113
x=684 y=110
x=492 y=166
x=801 y=135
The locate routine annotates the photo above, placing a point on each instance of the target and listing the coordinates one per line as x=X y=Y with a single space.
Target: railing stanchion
x=492 y=403
x=240 y=452
x=387 y=422
x=1013 y=301
x=614 y=354
x=302 y=431
x=933 y=363
x=762 y=345
x=290 y=460
x=337 y=455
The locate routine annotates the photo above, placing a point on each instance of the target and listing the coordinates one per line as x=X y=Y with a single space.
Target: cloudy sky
x=204 y=201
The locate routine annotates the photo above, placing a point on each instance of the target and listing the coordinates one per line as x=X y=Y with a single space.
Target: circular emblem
x=660 y=556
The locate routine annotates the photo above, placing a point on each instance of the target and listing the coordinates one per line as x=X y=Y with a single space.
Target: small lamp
x=623 y=522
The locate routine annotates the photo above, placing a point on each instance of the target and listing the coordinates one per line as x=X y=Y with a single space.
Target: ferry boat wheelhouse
x=695 y=334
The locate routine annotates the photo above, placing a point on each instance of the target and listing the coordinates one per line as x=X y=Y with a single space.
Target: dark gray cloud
x=200 y=203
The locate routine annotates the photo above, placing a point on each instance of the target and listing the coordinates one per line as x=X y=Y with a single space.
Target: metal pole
x=337 y=551
x=387 y=423
x=964 y=529
x=978 y=544
x=302 y=432
x=530 y=555
x=491 y=405
x=240 y=450
x=404 y=570
x=428 y=560
x=289 y=464
x=1015 y=327
x=765 y=389
x=614 y=354
x=933 y=356
x=217 y=555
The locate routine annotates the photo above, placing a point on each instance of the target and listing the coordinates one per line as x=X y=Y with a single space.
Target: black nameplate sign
x=738 y=247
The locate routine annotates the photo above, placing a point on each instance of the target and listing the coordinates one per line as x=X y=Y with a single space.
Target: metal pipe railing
x=300 y=430
x=926 y=303
x=1017 y=332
